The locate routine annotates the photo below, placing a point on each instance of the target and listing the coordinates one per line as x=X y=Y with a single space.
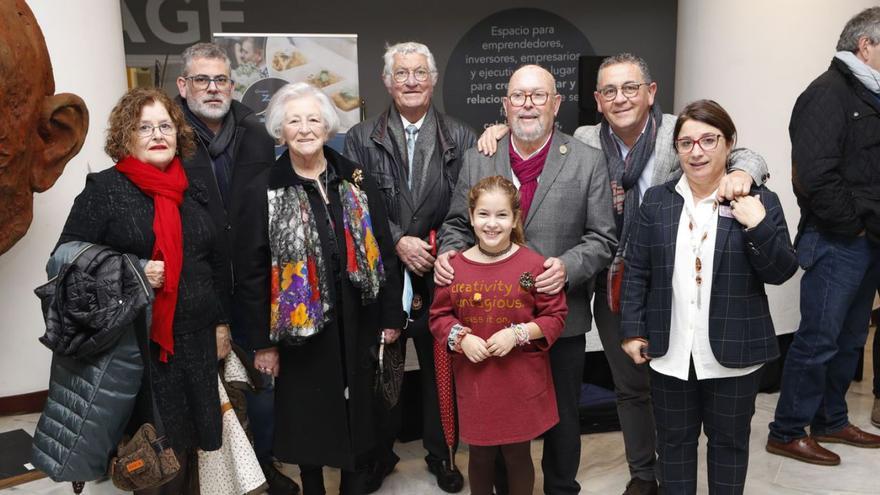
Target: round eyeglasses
x=146 y=130
x=421 y=74
x=518 y=98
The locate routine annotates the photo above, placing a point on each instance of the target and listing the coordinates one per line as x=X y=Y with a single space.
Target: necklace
x=490 y=254
x=697 y=246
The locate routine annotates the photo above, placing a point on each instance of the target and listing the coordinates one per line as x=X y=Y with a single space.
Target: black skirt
x=186 y=392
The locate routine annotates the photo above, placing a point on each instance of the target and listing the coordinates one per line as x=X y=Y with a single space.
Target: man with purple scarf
x=566 y=205
x=636 y=139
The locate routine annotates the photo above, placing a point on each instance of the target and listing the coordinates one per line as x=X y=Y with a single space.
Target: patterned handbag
x=145 y=461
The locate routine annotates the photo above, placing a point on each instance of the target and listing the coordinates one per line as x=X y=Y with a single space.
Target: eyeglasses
x=202 y=82
x=421 y=74
x=518 y=98
x=146 y=130
x=707 y=143
x=629 y=90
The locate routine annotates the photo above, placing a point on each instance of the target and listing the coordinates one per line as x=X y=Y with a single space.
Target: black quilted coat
x=92 y=301
x=835 y=141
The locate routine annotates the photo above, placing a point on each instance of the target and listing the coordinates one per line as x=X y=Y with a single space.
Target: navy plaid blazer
x=740 y=328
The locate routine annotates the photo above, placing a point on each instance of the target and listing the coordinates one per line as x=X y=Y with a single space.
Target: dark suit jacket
x=740 y=328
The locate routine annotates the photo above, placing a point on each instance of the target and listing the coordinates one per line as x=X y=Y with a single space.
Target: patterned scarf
x=625 y=192
x=300 y=297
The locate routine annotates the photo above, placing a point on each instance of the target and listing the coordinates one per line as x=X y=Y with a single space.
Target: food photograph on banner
x=263 y=63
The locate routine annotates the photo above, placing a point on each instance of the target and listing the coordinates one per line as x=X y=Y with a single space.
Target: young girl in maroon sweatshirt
x=499 y=329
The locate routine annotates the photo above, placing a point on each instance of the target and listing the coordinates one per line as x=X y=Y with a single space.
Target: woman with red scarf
x=145 y=206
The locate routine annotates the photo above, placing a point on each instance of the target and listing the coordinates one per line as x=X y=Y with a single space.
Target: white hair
x=294 y=91
x=406 y=48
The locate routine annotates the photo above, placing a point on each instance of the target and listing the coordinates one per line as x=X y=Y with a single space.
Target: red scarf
x=527 y=172
x=166 y=187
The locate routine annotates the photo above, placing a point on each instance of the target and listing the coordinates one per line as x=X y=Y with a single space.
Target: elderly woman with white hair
x=320 y=286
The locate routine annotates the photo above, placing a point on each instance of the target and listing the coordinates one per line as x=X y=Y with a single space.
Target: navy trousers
x=723 y=408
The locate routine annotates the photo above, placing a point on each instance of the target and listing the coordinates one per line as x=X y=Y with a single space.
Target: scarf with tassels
x=300 y=298
x=166 y=187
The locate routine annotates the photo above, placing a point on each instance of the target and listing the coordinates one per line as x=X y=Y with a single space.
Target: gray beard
x=206 y=112
x=527 y=136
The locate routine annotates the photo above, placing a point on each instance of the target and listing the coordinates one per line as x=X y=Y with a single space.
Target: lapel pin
x=563 y=149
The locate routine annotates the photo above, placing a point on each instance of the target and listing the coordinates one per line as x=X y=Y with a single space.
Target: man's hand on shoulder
x=736 y=184
x=488 y=142
x=552 y=279
x=443 y=272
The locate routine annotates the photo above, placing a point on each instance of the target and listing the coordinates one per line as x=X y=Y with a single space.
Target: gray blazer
x=570 y=217
x=666 y=164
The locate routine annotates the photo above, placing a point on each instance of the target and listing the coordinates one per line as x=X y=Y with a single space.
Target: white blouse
x=689 y=326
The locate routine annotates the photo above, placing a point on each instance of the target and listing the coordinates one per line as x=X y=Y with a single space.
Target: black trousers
x=350 y=483
x=432 y=430
x=724 y=408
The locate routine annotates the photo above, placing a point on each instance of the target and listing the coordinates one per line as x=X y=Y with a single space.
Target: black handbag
x=389 y=371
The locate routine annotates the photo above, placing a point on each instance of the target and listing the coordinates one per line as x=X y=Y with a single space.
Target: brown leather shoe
x=804 y=449
x=851 y=435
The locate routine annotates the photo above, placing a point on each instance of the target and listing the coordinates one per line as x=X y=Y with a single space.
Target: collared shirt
x=417 y=123
x=515 y=150
x=647 y=172
x=689 y=326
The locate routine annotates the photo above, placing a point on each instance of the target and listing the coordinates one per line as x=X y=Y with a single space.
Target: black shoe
x=449 y=479
x=638 y=486
x=376 y=474
x=279 y=483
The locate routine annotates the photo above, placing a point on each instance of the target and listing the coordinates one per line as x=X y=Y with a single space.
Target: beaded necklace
x=697 y=246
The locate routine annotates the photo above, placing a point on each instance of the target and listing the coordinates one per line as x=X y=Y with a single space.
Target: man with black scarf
x=233 y=147
x=636 y=138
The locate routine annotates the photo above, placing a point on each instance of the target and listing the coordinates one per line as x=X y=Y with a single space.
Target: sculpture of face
x=39 y=131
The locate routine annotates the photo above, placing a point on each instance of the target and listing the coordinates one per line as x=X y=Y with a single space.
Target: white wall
x=84 y=38
x=754 y=57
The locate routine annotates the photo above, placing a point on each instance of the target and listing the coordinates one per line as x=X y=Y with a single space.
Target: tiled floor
x=603 y=466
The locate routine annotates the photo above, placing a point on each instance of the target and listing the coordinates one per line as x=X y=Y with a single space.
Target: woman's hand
x=155 y=272
x=748 y=210
x=474 y=348
x=391 y=334
x=501 y=342
x=266 y=361
x=224 y=341
x=637 y=349
x=488 y=142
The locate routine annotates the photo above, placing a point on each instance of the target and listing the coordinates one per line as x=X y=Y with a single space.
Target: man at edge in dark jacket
x=835 y=132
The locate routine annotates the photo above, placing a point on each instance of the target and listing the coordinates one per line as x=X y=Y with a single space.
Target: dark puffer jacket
x=835 y=141
x=92 y=300
x=91 y=398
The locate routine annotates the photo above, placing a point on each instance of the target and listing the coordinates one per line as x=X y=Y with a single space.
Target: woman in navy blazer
x=694 y=307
